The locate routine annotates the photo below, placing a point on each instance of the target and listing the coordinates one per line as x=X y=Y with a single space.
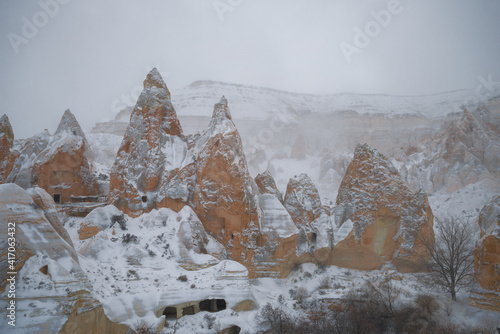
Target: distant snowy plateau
x=290 y=133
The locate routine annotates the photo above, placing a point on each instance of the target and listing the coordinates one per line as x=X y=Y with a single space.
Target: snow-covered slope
x=136 y=268
x=253 y=102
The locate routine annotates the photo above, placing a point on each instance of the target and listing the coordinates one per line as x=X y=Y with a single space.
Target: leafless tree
x=274 y=319
x=451 y=264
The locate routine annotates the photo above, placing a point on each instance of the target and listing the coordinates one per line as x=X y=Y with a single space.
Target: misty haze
x=237 y=166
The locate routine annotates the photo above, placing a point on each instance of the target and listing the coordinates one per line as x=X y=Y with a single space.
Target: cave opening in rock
x=144 y=199
x=314 y=236
x=232 y=330
x=221 y=304
x=213 y=305
x=57 y=198
x=170 y=313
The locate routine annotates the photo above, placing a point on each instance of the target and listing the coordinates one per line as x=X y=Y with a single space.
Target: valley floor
x=307 y=290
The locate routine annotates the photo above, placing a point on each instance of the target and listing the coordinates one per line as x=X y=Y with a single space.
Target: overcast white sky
x=93 y=51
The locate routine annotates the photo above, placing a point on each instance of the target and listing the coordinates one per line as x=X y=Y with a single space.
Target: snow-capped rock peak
x=154 y=80
x=69 y=124
x=302 y=200
x=6 y=129
x=221 y=109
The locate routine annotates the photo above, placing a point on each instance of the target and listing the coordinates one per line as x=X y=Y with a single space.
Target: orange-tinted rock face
x=157 y=166
x=7 y=157
x=57 y=163
x=153 y=167
x=302 y=200
x=267 y=185
x=277 y=243
x=224 y=199
x=386 y=216
x=65 y=173
x=49 y=264
x=315 y=238
x=486 y=292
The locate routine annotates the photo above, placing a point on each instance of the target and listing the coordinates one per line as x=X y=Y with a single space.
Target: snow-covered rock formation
x=486 y=291
x=7 y=155
x=385 y=214
x=153 y=155
x=159 y=263
x=277 y=241
x=59 y=164
x=315 y=239
x=225 y=200
x=465 y=152
x=158 y=167
x=51 y=290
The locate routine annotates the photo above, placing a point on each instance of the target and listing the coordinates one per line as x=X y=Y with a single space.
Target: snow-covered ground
x=135 y=280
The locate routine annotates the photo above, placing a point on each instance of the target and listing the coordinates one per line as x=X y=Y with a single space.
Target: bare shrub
x=210 y=320
x=182 y=278
x=127 y=238
x=144 y=329
x=299 y=294
x=317 y=322
x=275 y=320
x=325 y=283
x=418 y=317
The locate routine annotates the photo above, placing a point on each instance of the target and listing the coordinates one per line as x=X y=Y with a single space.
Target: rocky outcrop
x=302 y=201
x=46 y=264
x=57 y=163
x=466 y=151
x=162 y=259
x=224 y=198
x=100 y=219
x=277 y=241
x=7 y=156
x=6 y=131
x=267 y=185
x=385 y=214
x=154 y=166
x=486 y=291
x=157 y=166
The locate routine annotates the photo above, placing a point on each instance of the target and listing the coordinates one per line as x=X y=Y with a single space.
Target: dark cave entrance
x=57 y=198
x=314 y=236
x=144 y=199
x=232 y=330
x=170 y=313
x=213 y=305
